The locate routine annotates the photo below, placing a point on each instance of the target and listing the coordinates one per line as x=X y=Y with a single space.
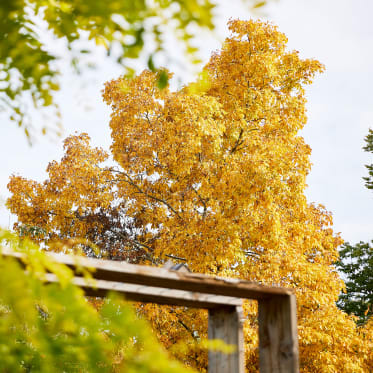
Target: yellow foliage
x=214 y=173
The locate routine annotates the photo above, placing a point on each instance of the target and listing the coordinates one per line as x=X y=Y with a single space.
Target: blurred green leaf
x=162 y=79
x=259 y=4
x=151 y=63
x=117 y=25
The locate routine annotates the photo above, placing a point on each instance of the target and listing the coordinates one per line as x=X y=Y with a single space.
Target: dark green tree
x=369 y=148
x=356 y=266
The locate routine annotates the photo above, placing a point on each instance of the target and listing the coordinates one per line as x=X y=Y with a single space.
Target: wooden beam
x=158 y=277
x=225 y=323
x=278 y=338
x=149 y=294
x=278 y=345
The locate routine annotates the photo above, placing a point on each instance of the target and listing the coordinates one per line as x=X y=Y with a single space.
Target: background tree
x=356 y=265
x=215 y=173
x=126 y=29
x=369 y=148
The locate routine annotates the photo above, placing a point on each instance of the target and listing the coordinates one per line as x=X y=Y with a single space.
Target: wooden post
x=225 y=323
x=278 y=339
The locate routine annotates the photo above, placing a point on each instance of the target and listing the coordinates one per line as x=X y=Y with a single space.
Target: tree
x=126 y=29
x=369 y=148
x=52 y=327
x=214 y=173
x=356 y=264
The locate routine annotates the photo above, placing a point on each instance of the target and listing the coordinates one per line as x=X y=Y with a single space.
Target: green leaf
x=151 y=63
x=162 y=79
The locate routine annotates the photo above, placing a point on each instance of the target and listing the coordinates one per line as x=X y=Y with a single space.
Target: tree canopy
x=213 y=173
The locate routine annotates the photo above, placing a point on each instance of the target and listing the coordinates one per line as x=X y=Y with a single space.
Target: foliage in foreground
x=28 y=64
x=214 y=173
x=52 y=328
x=126 y=29
x=356 y=264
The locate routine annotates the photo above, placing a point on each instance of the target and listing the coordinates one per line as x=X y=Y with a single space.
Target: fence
x=222 y=297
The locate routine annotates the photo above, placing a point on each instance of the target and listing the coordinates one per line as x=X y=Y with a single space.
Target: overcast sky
x=339 y=33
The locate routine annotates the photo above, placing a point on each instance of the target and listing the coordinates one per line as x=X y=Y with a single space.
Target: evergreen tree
x=356 y=265
x=369 y=148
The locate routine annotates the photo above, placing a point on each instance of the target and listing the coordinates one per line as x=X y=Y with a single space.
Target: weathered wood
x=149 y=294
x=159 y=277
x=278 y=344
x=225 y=323
x=278 y=339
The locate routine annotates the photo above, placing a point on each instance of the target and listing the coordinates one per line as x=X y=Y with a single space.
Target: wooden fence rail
x=278 y=341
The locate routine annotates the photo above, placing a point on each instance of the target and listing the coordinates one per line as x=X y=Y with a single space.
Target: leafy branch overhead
x=29 y=73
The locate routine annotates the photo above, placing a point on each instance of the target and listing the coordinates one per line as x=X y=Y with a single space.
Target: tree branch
x=131 y=182
x=238 y=142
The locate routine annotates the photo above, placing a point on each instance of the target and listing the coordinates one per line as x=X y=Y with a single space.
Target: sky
x=339 y=33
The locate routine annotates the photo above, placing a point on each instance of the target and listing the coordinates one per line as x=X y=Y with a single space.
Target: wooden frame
x=278 y=341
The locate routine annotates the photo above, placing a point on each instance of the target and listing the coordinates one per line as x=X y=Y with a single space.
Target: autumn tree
x=79 y=199
x=214 y=173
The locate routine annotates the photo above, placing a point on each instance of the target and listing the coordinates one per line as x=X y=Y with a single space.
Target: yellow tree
x=215 y=173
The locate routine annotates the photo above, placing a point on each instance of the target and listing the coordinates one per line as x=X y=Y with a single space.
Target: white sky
x=339 y=33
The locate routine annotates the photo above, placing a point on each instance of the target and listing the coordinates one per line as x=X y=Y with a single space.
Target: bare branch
x=175 y=257
x=203 y=201
x=131 y=182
